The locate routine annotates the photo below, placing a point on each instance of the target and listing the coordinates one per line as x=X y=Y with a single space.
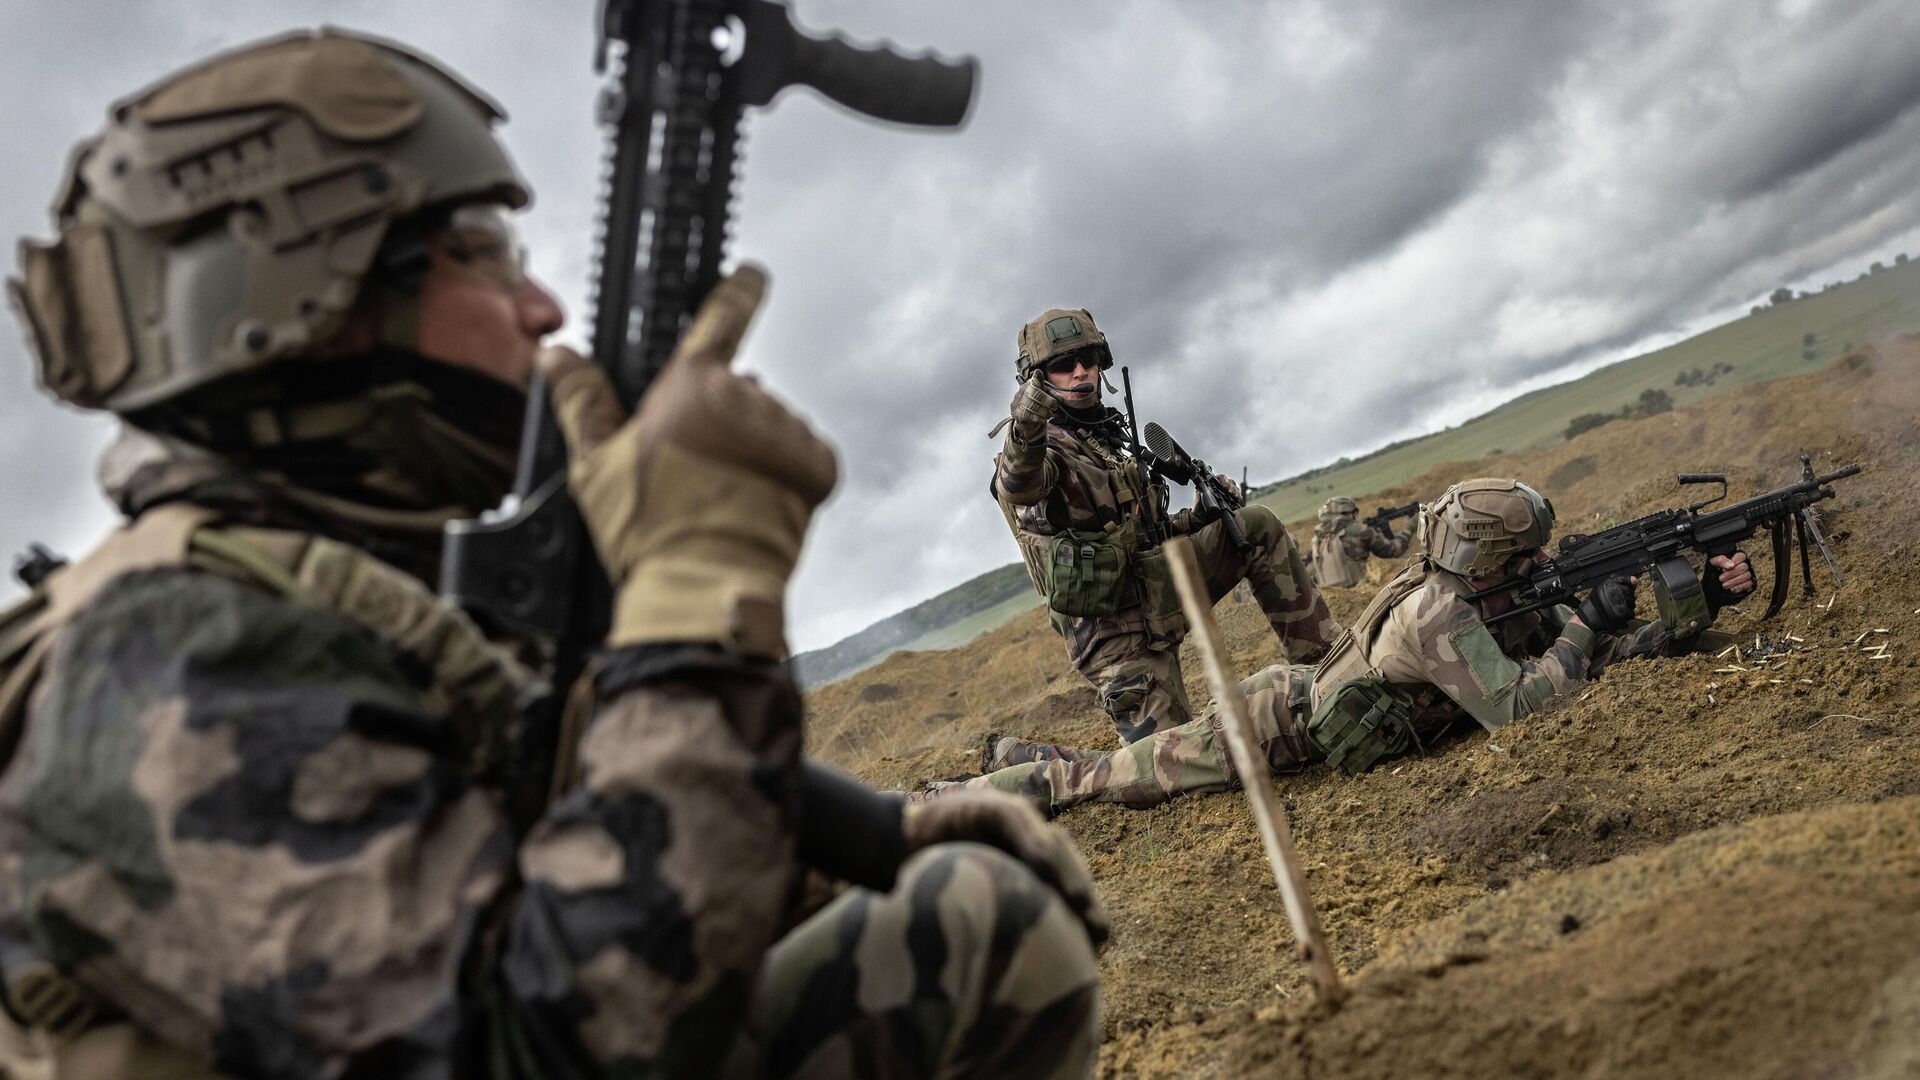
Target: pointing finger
x=723 y=318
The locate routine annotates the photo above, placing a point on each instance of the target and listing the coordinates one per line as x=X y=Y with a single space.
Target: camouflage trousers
x=1137 y=674
x=970 y=967
x=1190 y=759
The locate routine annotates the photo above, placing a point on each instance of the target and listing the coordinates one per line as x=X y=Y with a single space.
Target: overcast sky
x=1309 y=228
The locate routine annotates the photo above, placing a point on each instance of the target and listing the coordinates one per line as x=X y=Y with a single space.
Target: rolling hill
x=1785 y=339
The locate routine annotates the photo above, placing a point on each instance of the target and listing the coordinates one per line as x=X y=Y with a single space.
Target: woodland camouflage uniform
x=1075 y=475
x=1342 y=544
x=1420 y=636
x=269 y=807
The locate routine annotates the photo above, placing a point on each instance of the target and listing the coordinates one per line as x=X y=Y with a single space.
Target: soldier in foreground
x=1418 y=661
x=1078 y=505
x=270 y=806
x=1342 y=544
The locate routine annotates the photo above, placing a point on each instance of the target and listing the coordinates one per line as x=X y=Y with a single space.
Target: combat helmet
x=1057 y=332
x=1477 y=525
x=227 y=217
x=1338 y=505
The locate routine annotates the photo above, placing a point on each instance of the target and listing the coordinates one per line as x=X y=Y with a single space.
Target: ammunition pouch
x=1363 y=721
x=1159 y=599
x=1087 y=573
x=1681 y=598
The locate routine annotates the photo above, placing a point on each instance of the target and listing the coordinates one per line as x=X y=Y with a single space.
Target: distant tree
x=1900 y=259
x=1806 y=338
x=1588 y=421
x=1876 y=267
x=1781 y=295
x=1757 y=309
x=1653 y=400
x=1808 y=355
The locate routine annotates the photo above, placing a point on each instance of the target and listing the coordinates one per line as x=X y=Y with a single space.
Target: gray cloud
x=1308 y=227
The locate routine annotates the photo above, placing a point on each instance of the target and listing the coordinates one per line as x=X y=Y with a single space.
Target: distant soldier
x=1420 y=660
x=1342 y=543
x=1078 y=505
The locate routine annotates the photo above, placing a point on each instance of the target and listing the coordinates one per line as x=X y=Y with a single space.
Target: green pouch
x=1682 y=600
x=1366 y=719
x=1159 y=599
x=1086 y=573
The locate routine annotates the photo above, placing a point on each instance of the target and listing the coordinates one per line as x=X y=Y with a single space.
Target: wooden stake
x=1252 y=767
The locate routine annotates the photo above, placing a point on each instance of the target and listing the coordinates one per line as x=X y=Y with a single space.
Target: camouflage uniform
x=270 y=808
x=1080 y=477
x=1341 y=546
x=1428 y=641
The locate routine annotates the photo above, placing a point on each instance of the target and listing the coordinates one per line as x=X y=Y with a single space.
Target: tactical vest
x=1358 y=717
x=48 y=1029
x=1332 y=566
x=1085 y=572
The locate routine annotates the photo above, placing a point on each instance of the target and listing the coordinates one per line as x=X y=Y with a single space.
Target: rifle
x=1170 y=460
x=680 y=74
x=1659 y=542
x=1153 y=520
x=1384 y=516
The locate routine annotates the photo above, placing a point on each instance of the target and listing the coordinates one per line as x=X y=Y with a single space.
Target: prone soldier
x=1082 y=511
x=1420 y=659
x=1342 y=544
x=272 y=808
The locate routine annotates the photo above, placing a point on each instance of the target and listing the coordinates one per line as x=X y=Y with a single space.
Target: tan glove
x=698 y=503
x=1032 y=408
x=1004 y=822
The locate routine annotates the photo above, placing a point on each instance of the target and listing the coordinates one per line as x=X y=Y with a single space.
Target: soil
x=1707 y=865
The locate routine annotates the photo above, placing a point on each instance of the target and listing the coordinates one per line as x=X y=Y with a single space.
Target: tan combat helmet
x=1477 y=525
x=1337 y=506
x=1057 y=332
x=226 y=217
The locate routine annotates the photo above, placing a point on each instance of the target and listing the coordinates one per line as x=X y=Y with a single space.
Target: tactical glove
x=1032 y=408
x=1004 y=822
x=698 y=503
x=1609 y=607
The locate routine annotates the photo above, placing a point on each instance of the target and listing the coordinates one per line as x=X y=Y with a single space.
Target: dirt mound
x=1703 y=865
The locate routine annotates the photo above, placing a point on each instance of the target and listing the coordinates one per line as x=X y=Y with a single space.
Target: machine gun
x=1167 y=458
x=1153 y=521
x=680 y=73
x=1384 y=517
x=1659 y=543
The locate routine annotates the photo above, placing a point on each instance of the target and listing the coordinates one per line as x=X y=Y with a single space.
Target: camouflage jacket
x=1341 y=546
x=256 y=826
x=1435 y=644
x=1078 y=477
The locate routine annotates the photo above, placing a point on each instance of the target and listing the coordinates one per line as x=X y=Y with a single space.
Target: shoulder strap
x=1352 y=654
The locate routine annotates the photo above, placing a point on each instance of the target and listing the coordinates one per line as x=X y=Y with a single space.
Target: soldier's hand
x=1003 y=822
x=1230 y=490
x=697 y=503
x=1731 y=584
x=1609 y=607
x=1032 y=407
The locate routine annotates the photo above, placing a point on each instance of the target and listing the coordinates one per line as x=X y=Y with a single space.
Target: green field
x=1767 y=345
x=1760 y=347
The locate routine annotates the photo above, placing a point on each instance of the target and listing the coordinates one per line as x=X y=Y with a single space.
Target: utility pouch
x=1682 y=600
x=1365 y=720
x=1159 y=599
x=1087 y=573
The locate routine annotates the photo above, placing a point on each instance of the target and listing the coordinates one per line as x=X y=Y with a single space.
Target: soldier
x=1418 y=661
x=1079 y=508
x=266 y=799
x=1342 y=544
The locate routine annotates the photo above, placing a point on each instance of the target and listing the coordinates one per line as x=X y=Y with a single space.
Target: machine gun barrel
x=1172 y=461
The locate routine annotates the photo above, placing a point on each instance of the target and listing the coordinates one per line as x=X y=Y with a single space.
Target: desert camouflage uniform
x=257 y=809
x=1341 y=546
x=1431 y=643
x=1081 y=477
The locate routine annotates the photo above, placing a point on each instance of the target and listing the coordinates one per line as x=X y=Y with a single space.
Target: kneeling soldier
x=1077 y=502
x=1342 y=544
x=1418 y=660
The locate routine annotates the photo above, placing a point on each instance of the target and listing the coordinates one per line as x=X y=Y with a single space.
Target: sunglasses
x=481 y=237
x=1064 y=365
